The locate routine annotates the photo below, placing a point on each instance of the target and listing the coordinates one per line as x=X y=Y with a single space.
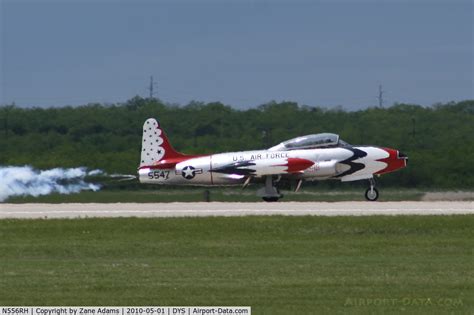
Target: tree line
x=439 y=139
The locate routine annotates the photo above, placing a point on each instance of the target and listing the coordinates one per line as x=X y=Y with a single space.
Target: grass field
x=277 y=265
x=235 y=194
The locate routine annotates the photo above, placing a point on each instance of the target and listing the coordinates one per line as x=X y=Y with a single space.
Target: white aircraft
x=307 y=158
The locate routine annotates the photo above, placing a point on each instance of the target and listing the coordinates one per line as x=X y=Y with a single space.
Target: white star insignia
x=188 y=172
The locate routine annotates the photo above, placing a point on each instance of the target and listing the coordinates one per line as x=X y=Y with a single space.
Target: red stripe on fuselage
x=297 y=165
x=393 y=161
x=171 y=162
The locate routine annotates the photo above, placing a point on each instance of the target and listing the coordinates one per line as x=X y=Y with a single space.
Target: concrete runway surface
x=202 y=209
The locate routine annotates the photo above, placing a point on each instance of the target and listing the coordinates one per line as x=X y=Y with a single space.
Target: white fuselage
x=352 y=163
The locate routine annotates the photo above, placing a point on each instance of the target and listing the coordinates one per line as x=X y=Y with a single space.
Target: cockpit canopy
x=316 y=141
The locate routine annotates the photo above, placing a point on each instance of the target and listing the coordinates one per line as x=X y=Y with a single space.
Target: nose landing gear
x=372 y=194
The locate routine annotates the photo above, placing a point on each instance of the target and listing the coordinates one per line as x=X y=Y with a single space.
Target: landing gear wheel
x=269 y=193
x=371 y=194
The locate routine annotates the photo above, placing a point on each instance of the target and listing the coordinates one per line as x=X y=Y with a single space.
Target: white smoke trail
x=24 y=180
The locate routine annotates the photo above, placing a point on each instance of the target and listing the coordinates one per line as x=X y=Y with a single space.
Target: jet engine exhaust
x=27 y=181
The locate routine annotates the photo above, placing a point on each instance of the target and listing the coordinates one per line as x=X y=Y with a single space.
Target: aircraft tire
x=270 y=199
x=372 y=195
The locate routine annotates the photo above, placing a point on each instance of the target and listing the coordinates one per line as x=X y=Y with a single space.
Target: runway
x=229 y=209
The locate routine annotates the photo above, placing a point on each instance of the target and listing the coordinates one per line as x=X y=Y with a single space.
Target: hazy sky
x=242 y=53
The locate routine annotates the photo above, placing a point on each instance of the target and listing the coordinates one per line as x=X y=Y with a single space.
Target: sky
x=242 y=53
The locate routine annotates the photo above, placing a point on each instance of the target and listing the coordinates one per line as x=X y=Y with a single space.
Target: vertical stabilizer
x=155 y=144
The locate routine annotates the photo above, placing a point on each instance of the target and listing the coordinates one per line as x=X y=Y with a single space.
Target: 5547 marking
x=159 y=174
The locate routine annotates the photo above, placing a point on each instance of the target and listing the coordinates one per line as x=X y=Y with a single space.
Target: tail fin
x=155 y=144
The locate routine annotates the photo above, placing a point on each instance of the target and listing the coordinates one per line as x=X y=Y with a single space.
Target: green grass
x=277 y=265
x=236 y=194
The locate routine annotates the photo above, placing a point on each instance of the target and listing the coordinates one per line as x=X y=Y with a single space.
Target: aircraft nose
x=395 y=160
x=403 y=156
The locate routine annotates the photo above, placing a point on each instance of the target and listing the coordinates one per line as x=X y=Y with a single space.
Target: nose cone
x=403 y=156
x=395 y=160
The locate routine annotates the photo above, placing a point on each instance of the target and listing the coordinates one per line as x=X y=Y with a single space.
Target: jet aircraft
x=308 y=158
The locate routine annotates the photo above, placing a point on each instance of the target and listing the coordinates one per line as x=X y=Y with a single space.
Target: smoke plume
x=26 y=181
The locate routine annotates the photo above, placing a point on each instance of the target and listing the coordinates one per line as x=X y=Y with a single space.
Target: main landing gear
x=371 y=194
x=269 y=193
